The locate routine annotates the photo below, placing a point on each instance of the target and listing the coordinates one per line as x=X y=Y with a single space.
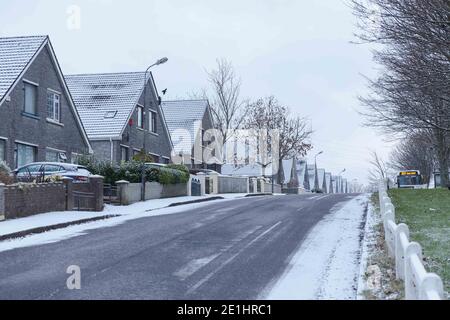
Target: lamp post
x=157 y=63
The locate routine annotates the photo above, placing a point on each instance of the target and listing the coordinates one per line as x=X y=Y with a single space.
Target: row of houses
x=50 y=116
x=297 y=176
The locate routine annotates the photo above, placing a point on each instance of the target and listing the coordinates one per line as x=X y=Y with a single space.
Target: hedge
x=132 y=172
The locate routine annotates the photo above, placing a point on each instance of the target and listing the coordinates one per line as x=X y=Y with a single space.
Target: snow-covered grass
x=427 y=213
x=124 y=213
x=327 y=264
x=377 y=279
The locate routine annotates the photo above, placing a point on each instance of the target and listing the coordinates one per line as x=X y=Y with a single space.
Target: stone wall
x=24 y=200
x=31 y=199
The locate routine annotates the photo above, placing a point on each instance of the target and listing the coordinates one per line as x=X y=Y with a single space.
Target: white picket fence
x=419 y=284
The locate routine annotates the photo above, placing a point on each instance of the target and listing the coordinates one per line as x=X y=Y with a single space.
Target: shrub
x=132 y=172
x=4 y=168
x=5 y=173
x=142 y=156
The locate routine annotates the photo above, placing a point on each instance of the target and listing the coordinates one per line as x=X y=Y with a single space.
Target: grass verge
x=427 y=213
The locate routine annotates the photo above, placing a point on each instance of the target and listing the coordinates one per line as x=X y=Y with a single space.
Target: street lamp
x=157 y=63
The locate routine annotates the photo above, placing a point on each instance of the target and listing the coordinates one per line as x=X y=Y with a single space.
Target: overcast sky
x=297 y=50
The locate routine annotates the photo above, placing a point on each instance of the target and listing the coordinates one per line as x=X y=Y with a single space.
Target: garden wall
x=233 y=185
x=132 y=192
x=24 y=200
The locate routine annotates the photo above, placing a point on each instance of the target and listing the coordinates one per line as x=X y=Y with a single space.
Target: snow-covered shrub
x=132 y=172
x=5 y=173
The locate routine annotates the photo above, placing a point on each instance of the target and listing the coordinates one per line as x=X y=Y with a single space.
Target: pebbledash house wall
x=133 y=137
x=17 y=127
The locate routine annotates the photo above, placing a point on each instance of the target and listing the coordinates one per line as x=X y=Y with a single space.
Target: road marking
x=229 y=260
x=194 y=266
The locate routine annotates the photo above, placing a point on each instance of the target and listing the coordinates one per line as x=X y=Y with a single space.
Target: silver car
x=42 y=171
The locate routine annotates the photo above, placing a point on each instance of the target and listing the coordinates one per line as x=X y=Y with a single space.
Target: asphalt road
x=224 y=250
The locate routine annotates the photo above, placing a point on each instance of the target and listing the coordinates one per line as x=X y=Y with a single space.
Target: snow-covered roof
x=321 y=175
x=301 y=171
x=106 y=101
x=312 y=177
x=15 y=55
x=328 y=178
x=186 y=115
x=302 y=167
x=287 y=170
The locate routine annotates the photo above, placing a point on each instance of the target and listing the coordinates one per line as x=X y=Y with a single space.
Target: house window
x=30 y=98
x=53 y=106
x=156 y=159
x=2 y=150
x=153 y=122
x=140 y=111
x=76 y=157
x=124 y=154
x=24 y=154
x=55 y=156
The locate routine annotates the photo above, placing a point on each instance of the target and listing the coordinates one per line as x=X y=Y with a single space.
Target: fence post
x=401 y=232
x=202 y=177
x=122 y=192
x=410 y=282
x=68 y=183
x=97 y=189
x=2 y=202
x=215 y=182
x=431 y=287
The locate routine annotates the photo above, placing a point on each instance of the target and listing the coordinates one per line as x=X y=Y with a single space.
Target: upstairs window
x=30 y=106
x=140 y=112
x=153 y=122
x=53 y=106
x=2 y=150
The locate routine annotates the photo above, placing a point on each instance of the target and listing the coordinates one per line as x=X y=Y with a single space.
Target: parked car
x=42 y=171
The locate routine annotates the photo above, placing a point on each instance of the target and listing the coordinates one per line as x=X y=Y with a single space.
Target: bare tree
x=415 y=153
x=413 y=92
x=228 y=108
x=379 y=169
x=267 y=114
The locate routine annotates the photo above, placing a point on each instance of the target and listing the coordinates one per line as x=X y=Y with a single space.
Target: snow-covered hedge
x=5 y=173
x=132 y=172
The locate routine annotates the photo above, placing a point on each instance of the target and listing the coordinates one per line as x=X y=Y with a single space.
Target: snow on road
x=124 y=213
x=328 y=263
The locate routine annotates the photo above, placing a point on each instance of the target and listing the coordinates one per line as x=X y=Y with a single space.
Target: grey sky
x=297 y=50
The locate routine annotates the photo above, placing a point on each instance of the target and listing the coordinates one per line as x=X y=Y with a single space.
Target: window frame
x=127 y=149
x=4 y=143
x=153 y=122
x=16 y=152
x=35 y=86
x=54 y=94
x=58 y=154
x=140 y=117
